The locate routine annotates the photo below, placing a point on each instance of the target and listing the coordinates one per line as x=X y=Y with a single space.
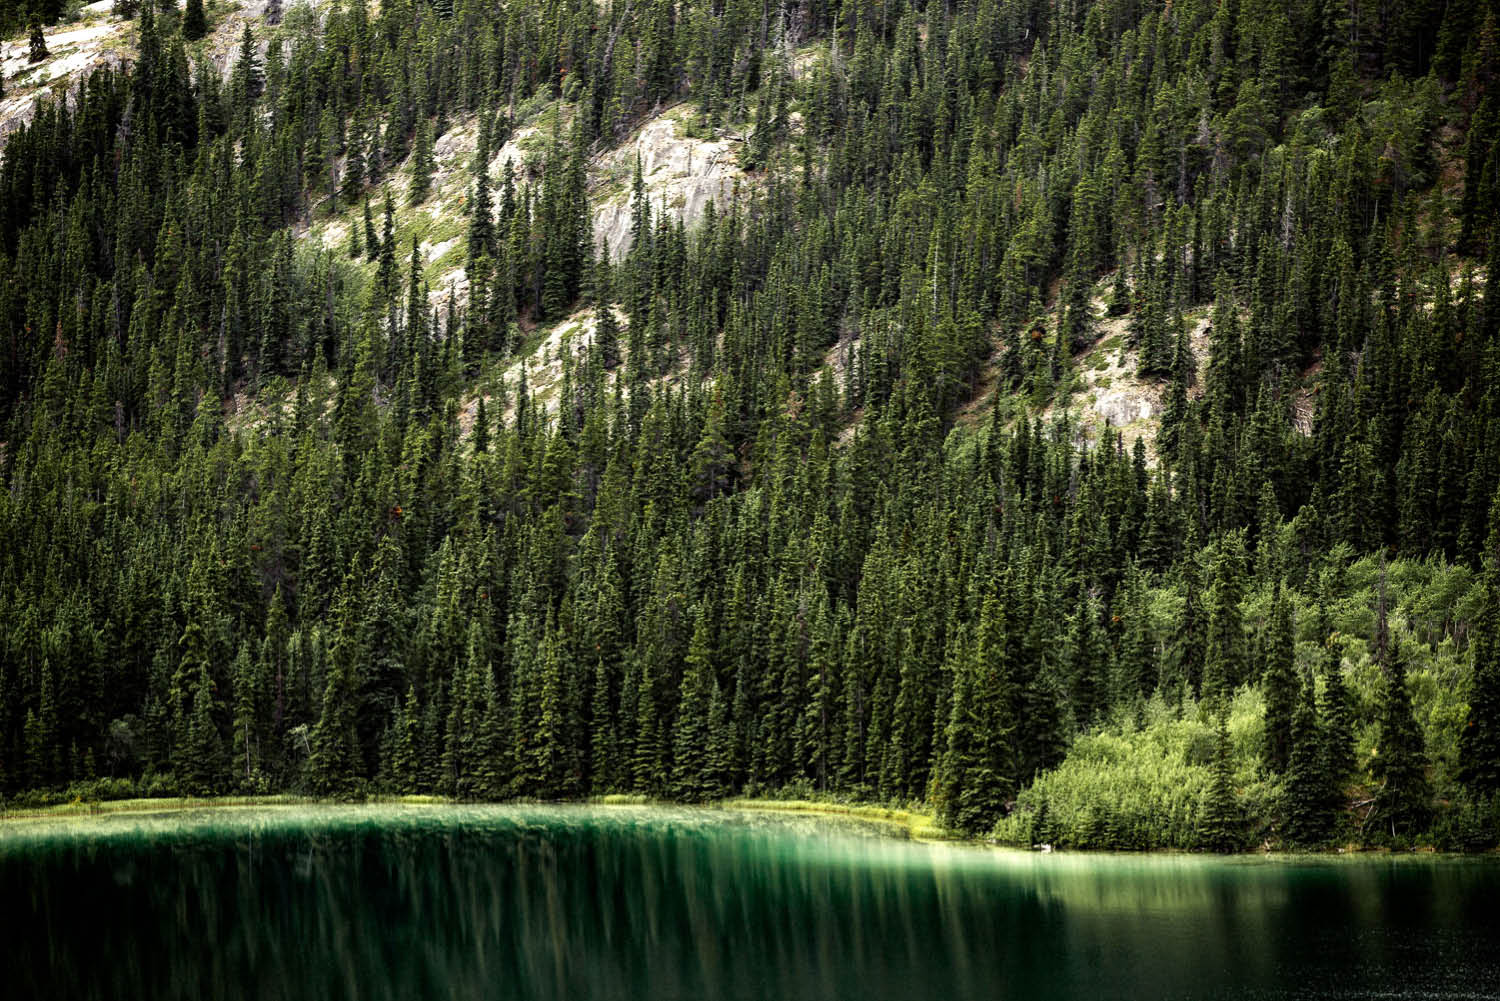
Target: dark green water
x=446 y=902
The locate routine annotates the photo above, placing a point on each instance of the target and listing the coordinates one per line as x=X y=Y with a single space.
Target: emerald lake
x=407 y=902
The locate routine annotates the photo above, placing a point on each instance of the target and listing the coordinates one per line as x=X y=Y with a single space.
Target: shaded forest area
x=813 y=517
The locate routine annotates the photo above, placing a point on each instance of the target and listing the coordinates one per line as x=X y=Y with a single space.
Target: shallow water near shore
x=402 y=901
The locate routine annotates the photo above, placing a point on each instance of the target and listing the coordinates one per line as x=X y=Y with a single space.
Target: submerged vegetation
x=823 y=498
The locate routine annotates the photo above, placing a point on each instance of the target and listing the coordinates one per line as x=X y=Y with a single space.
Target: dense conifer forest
x=813 y=511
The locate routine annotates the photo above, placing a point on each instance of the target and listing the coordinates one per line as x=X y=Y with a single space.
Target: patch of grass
x=621 y=799
x=89 y=808
x=531 y=108
x=919 y=826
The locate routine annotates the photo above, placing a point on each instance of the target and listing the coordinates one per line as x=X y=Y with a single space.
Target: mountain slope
x=1081 y=421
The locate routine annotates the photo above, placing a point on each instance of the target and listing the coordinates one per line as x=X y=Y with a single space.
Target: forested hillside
x=813 y=503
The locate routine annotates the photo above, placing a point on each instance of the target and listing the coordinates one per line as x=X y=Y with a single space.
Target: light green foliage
x=1142 y=788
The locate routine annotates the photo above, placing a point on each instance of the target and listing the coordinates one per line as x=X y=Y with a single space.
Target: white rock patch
x=682 y=176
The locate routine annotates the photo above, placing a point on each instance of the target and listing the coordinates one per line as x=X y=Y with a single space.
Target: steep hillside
x=96 y=38
x=1080 y=419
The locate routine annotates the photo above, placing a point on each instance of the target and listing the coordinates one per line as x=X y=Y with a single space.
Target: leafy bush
x=1143 y=788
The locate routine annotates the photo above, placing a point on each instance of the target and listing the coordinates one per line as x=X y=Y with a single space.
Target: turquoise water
x=402 y=902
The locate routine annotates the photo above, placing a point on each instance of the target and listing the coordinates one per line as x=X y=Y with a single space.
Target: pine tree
x=37 y=48
x=1307 y=801
x=247 y=719
x=372 y=241
x=1089 y=662
x=1399 y=765
x=421 y=164
x=1337 y=728
x=1225 y=659
x=353 y=184
x=694 y=731
x=1281 y=688
x=201 y=771
x=1219 y=829
x=194 y=21
x=334 y=765
x=405 y=770
x=1479 y=740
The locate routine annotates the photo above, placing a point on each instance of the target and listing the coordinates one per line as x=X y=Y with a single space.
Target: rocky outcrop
x=73 y=49
x=682 y=175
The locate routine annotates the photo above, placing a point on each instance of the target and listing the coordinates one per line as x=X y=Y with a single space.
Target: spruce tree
x=334 y=765
x=606 y=327
x=405 y=768
x=1089 y=663
x=201 y=771
x=978 y=770
x=1306 y=801
x=490 y=777
x=962 y=752
x=1282 y=691
x=1225 y=658
x=245 y=763
x=555 y=750
x=1337 y=727
x=353 y=183
x=421 y=164
x=1399 y=765
x=604 y=763
x=1219 y=828
x=371 y=239
x=693 y=730
x=719 y=767
x=1479 y=740
x=194 y=21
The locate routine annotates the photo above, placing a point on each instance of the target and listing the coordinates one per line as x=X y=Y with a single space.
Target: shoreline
x=912 y=824
x=918 y=825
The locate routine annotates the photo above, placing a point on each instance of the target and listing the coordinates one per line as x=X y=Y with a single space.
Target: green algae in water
x=405 y=902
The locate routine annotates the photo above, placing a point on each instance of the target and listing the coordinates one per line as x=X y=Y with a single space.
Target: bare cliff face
x=683 y=175
x=96 y=38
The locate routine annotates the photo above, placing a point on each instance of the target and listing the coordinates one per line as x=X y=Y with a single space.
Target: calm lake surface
x=407 y=902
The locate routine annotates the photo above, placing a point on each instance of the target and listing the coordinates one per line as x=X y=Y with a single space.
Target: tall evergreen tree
x=194 y=21
x=1399 y=764
x=1479 y=740
x=1281 y=688
x=421 y=165
x=1219 y=829
x=1307 y=801
x=1225 y=659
